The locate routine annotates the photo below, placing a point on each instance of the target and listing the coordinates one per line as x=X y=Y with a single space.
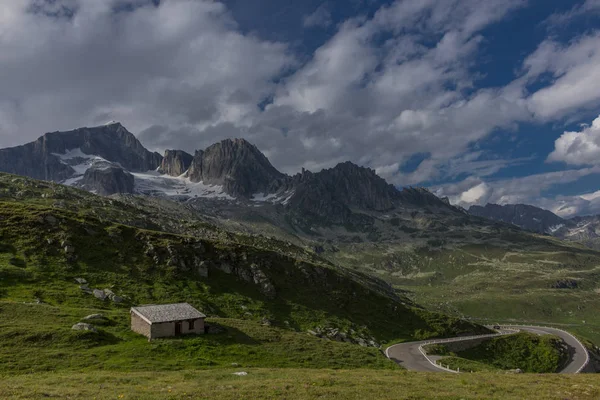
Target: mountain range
x=110 y=160
x=584 y=229
x=484 y=263
x=234 y=180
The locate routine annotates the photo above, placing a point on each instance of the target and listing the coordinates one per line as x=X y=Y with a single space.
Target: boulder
x=245 y=274
x=85 y=288
x=565 y=284
x=225 y=267
x=82 y=326
x=81 y=281
x=99 y=294
x=202 y=268
x=261 y=279
x=51 y=220
x=117 y=299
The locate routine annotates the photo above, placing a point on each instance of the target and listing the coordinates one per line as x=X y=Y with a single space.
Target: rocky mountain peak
x=236 y=165
x=175 y=162
x=41 y=159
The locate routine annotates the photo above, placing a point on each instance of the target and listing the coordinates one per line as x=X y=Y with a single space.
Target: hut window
x=191 y=325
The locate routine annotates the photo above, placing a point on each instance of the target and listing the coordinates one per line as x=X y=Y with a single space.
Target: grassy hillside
x=525 y=351
x=267 y=300
x=299 y=384
x=36 y=338
x=494 y=281
x=453 y=264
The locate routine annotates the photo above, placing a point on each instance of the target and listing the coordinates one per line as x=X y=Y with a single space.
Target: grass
x=36 y=338
x=495 y=281
x=114 y=256
x=525 y=351
x=294 y=384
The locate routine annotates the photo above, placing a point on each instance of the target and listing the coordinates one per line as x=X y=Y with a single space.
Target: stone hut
x=166 y=320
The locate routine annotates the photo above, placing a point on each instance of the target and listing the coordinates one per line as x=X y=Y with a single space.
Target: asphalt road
x=409 y=356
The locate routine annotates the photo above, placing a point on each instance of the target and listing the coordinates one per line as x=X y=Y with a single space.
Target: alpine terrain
x=320 y=269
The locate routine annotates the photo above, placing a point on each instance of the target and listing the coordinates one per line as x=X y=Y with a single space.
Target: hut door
x=177 y=328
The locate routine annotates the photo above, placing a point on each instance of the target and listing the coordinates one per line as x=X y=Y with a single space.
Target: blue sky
x=481 y=101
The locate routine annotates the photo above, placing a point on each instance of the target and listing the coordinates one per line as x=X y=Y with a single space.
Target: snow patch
x=578 y=230
x=155 y=184
x=554 y=228
x=273 y=198
x=81 y=162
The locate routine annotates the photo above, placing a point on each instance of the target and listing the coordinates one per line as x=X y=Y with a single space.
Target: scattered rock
x=225 y=267
x=81 y=281
x=99 y=294
x=241 y=373
x=515 y=371
x=261 y=279
x=565 y=284
x=202 y=268
x=350 y=336
x=245 y=274
x=117 y=299
x=51 y=220
x=82 y=326
x=85 y=288
x=94 y=316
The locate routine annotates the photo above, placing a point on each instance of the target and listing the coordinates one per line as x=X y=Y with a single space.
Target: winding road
x=411 y=356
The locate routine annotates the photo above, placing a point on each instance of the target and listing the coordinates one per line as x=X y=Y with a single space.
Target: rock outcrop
x=236 y=165
x=175 y=162
x=107 y=181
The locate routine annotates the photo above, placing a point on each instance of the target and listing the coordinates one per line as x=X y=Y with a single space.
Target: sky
x=480 y=101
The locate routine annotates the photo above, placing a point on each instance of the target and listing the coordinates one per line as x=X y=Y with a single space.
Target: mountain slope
x=584 y=229
x=44 y=248
x=528 y=217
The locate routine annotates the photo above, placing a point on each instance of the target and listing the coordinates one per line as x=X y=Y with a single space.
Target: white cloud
x=575 y=72
x=403 y=97
x=321 y=17
x=579 y=148
x=381 y=89
x=477 y=194
x=182 y=63
x=579 y=10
